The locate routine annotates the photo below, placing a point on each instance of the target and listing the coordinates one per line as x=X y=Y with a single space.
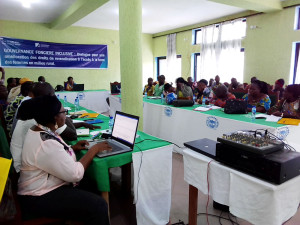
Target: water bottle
x=203 y=100
x=65 y=101
x=57 y=96
x=145 y=94
x=162 y=98
x=77 y=105
x=110 y=124
x=253 y=113
x=194 y=98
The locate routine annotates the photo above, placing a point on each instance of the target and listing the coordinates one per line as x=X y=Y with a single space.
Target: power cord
x=137 y=185
x=220 y=217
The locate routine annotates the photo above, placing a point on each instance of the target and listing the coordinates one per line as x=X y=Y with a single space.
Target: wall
x=268 y=49
x=93 y=79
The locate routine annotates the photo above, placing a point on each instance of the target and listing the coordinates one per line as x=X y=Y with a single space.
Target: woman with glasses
x=50 y=171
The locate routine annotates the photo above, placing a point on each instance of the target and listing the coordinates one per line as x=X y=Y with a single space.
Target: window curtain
x=171 y=59
x=221 y=51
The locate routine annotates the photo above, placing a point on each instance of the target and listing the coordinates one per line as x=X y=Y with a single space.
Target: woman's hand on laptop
x=102 y=146
x=80 y=145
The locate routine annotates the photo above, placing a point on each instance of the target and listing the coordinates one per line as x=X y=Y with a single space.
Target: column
x=130 y=26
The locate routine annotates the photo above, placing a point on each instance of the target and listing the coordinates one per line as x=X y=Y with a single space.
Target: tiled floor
x=123 y=211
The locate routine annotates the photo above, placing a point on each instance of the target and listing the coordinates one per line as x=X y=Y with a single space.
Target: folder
x=4 y=169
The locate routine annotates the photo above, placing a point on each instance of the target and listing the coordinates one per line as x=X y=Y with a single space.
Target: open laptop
x=204 y=146
x=123 y=134
x=78 y=87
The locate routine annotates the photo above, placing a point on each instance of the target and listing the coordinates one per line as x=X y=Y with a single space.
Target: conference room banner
x=37 y=54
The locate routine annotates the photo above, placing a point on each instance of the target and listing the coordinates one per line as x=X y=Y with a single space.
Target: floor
x=123 y=210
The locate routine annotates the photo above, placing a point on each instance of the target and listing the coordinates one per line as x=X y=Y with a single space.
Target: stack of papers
x=83 y=132
x=269 y=118
x=78 y=112
x=206 y=108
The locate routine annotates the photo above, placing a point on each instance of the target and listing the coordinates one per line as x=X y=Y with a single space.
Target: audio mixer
x=252 y=141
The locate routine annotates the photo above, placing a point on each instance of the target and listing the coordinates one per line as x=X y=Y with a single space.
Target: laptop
x=204 y=146
x=78 y=87
x=123 y=135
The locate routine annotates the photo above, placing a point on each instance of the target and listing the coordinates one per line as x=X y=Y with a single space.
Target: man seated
x=149 y=88
x=235 y=85
x=159 y=88
x=221 y=96
x=202 y=90
x=217 y=83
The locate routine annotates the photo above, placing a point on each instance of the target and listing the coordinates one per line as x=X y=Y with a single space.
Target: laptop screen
x=125 y=128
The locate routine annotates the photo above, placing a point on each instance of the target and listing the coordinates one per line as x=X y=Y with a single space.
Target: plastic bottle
x=145 y=94
x=57 y=96
x=75 y=104
x=65 y=101
x=110 y=124
x=194 y=98
x=203 y=100
x=162 y=98
x=253 y=113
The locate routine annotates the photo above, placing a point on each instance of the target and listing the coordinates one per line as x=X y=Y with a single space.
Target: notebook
x=78 y=87
x=204 y=146
x=83 y=132
x=123 y=135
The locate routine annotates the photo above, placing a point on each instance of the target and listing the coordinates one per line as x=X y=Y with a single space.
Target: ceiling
x=158 y=15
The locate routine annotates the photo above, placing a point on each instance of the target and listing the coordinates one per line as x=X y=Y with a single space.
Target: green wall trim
x=75 y=12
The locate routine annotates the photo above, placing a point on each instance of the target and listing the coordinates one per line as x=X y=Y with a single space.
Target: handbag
x=236 y=106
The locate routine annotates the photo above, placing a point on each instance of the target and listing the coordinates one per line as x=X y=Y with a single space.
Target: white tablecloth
x=179 y=125
x=115 y=104
x=93 y=100
x=152 y=185
x=249 y=198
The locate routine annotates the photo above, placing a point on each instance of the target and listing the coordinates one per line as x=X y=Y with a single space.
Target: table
x=152 y=163
x=91 y=99
x=180 y=125
x=249 y=198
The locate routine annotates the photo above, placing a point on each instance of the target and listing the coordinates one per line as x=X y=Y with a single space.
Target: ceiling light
x=26 y=4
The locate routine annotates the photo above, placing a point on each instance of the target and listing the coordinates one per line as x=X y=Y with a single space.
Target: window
x=221 y=51
x=162 y=69
x=196 y=63
x=295 y=74
x=297 y=18
x=197 y=36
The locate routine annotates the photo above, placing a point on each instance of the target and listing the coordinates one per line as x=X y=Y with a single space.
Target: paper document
x=83 y=132
x=272 y=118
x=202 y=109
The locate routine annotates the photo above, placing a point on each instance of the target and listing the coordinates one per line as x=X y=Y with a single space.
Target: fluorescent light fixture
x=27 y=3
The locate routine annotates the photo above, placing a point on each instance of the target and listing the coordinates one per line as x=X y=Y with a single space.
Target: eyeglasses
x=65 y=112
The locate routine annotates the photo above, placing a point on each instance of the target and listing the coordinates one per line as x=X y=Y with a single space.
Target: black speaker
x=180 y=103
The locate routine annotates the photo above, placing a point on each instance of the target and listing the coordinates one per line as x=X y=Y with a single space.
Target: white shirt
x=46 y=165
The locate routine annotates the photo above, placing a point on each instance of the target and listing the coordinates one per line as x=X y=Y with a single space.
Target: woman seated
x=288 y=106
x=69 y=84
x=258 y=96
x=202 y=90
x=221 y=96
x=183 y=90
x=49 y=170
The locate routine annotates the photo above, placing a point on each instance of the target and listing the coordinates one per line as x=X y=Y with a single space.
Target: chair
x=115 y=88
x=239 y=93
x=274 y=97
